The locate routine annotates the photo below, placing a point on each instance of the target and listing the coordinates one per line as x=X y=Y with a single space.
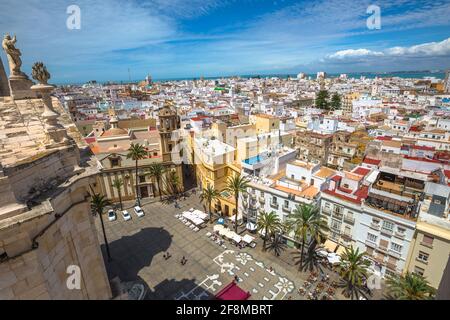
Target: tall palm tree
x=174 y=182
x=236 y=185
x=353 y=270
x=136 y=152
x=270 y=223
x=157 y=171
x=312 y=260
x=98 y=204
x=276 y=244
x=305 y=222
x=410 y=286
x=118 y=184
x=208 y=195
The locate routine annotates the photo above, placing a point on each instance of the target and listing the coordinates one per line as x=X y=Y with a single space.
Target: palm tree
x=98 y=204
x=270 y=223
x=353 y=270
x=117 y=184
x=410 y=286
x=208 y=195
x=174 y=181
x=312 y=259
x=157 y=171
x=305 y=222
x=136 y=152
x=236 y=185
x=276 y=244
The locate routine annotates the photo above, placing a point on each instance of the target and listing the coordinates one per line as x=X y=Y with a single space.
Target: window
x=396 y=247
x=427 y=240
x=375 y=221
x=114 y=162
x=262 y=194
x=274 y=200
x=387 y=225
x=347 y=230
x=401 y=230
x=423 y=257
x=155 y=154
x=336 y=225
x=292 y=176
x=141 y=179
x=419 y=270
x=286 y=203
x=437 y=201
x=346 y=186
x=372 y=237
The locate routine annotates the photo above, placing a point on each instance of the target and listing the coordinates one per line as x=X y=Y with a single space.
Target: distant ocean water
x=369 y=75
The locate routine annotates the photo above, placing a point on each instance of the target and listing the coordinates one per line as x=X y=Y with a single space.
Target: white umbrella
x=237 y=238
x=223 y=231
x=218 y=227
x=250 y=226
x=248 y=238
x=230 y=234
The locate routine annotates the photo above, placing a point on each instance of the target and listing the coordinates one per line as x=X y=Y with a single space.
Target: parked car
x=126 y=215
x=111 y=215
x=139 y=212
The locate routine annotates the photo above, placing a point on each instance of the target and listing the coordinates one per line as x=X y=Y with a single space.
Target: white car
x=111 y=215
x=126 y=215
x=139 y=212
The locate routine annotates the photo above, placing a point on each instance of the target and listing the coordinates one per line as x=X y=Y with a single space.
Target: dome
x=114 y=132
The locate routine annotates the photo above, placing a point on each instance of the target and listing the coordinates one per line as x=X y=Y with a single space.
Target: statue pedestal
x=20 y=87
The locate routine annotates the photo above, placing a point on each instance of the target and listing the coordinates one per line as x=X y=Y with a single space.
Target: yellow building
x=347 y=102
x=214 y=165
x=430 y=251
x=265 y=123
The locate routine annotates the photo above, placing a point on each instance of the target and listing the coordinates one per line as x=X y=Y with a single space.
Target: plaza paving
x=137 y=248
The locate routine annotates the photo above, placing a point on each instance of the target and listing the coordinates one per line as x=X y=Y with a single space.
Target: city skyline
x=175 y=39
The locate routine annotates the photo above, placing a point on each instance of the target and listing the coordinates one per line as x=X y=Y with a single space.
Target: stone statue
x=13 y=55
x=39 y=73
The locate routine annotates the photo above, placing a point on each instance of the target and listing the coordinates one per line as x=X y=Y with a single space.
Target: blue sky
x=182 y=38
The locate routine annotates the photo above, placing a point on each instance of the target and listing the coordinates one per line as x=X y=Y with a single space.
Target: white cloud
x=431 y=49
x=354 y=53
x=426 y=49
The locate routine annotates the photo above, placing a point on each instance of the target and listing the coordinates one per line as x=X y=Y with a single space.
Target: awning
x=322 y=253
x=248 y=238
x=250 y=226
x=333 y=258
x=330 y=245
x=237 y=238
x=232 y=292
x=340 y=251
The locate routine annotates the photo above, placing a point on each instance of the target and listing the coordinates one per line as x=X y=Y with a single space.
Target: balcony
x=349 y=219
x=382 y=249
x=286 y=209
x=337 y=215
x=326 y=211
x=400 y=235
x=262 y=200
x=274 y=205
x=375 y=226
x=394 y=253
x=253 y=196
x=387 y=232
x=371 y=244
x=346 y=236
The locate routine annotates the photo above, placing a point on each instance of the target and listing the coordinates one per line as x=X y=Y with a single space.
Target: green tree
x=353 y=271
x=269 y=223
x=305 y=222
x=98 y=205
x=237 y=185
x=410 y=286
x=136 y=152
x=157 y=171
x=118 y=184
x=322 y=100
x=336 y=101
x=174 y=182
x=208 y=195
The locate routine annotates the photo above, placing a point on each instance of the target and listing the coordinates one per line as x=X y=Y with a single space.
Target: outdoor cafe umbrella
x=218 y=227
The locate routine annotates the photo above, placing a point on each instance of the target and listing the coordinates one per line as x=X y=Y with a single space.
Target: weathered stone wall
x=41 y=273
x=4 y=85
